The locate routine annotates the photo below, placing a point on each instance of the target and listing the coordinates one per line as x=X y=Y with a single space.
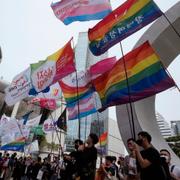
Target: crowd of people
x=144 y=164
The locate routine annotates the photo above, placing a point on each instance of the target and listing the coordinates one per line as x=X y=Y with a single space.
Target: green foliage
x=173 y=139
x=174 y=143
x=43 y=143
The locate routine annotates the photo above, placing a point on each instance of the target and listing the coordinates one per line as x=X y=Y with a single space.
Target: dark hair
x=146 y=135
x=131 y=139
x=109 y=158
x=78 y=141
x=94 y=138
x=39 y=159
x=165 y=151
x=114 y=158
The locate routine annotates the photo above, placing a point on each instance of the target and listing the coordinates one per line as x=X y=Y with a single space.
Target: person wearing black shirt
x=88 y=157
x=72 y=161
x=148 y=159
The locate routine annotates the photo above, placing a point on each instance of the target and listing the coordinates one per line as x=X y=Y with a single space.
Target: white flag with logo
x=19 y=88
x=49 y=126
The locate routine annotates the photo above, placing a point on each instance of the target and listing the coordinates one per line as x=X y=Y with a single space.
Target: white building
x=175 y=127
x=115 y=144
x=163 y=126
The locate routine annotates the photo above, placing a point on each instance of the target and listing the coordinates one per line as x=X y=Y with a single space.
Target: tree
x=174 y=143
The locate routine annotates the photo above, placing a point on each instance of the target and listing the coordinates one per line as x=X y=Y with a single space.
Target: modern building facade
x=115 y=144
x=175 y=127
x=163 y=126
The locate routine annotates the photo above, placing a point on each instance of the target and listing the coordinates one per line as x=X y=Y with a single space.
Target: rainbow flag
x=103 y=139
x=69 y=11
x=146 y=77
x=75 y=87
x=121 y=23
x=55 y=67
x=86 y=107
x=17 y=145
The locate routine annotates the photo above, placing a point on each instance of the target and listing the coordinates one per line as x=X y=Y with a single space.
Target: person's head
x=77 y=142
x=108 y=160
x=144 y=139
x=130 y=143
x=7 y=155
x=92 y=139
x=165 y=154
x=114 y=159
x=39 y=159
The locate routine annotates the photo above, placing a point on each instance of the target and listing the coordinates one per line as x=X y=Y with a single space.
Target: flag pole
x=129 y=94
x=165 y=68
x=60 y=132
x=79 y=119
x=100 y=143
x=178 y=34
x=99 y=130
x=77 y=89
x=85 y=132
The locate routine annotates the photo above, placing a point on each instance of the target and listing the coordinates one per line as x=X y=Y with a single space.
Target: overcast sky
x=29 y=32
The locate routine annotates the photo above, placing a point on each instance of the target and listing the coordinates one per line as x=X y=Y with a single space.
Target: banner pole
x=129 y=94
x=77 y=89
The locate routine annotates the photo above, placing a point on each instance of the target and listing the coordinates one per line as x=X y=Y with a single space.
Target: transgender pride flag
x=86 y=107
x=69 y=11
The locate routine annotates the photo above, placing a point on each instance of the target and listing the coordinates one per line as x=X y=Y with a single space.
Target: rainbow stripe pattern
x=76 y=86
x=17 y=145
x=70 y=92
x=69 y=11
x=121 y=23
x=145 y=73
x=103 y=139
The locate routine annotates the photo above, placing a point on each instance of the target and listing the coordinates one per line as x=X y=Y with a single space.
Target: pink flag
x=69 y=11
x=50 y=104
x=101 y=67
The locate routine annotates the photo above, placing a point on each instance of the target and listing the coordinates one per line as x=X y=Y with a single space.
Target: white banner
x=10 y=126
x=48 y=126
x=19 y=88
x=54 y=92
x=43 y=76
x=82 y=77
x=11 y=131
x=4 y=119
x=8 y=138
x=33 y=122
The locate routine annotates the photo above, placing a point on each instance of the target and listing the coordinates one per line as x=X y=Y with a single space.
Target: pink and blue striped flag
x=86 y=107
x=69 y=11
